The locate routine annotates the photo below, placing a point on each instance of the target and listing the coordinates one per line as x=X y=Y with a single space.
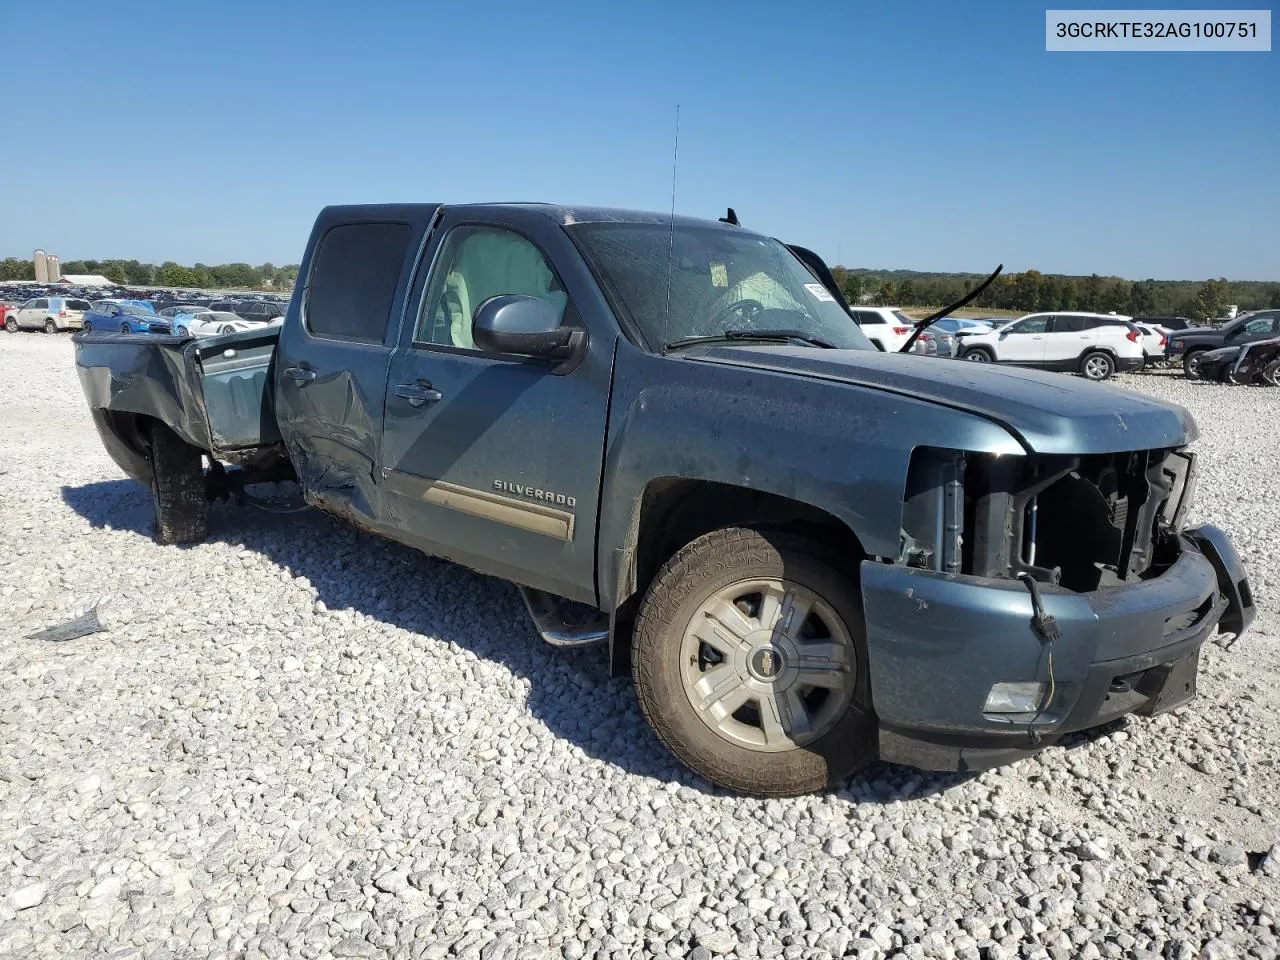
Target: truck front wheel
x=749 y=656
x=177 y=487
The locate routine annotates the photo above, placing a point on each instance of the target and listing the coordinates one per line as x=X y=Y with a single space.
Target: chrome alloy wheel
x=768 y=665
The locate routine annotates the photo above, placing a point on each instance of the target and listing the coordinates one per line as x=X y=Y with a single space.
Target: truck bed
x=214 y=392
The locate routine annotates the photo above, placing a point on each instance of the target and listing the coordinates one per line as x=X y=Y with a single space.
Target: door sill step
x=556 y=627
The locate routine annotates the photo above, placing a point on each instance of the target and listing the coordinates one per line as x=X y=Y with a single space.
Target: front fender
x=841 y=448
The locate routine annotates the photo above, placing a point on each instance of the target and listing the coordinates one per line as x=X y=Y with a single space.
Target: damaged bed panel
x=215 y=393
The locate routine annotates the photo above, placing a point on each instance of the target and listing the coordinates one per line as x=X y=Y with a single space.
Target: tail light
x=901 y=331
x=62 y=313
x=1164 y=341
x=1134 y=336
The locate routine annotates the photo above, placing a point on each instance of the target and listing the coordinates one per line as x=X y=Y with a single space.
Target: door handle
x=302 y=375
x=418 y=393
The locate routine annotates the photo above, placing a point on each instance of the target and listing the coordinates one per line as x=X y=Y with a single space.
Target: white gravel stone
x=297 y=740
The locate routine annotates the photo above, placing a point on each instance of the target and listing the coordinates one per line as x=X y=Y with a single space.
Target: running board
x=548 y=615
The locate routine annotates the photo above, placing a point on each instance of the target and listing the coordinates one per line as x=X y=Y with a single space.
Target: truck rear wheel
x=749 y=656
x=177 y=488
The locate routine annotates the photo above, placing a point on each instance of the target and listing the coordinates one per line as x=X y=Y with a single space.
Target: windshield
x=721 y=280
x=133 y=310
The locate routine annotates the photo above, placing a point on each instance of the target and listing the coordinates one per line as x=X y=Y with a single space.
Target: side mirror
x=522 y=325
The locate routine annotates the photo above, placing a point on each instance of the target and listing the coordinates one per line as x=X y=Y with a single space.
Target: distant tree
x=851 y=287
x=11 y=268
x=907 y=292
x=75 y=266
x=115 y=272
x=173 y=274
x=1210 y=299
x=1027 y=290
x=139 y=274
x=1091 y=293
x=1142 y=299
x=887 y=293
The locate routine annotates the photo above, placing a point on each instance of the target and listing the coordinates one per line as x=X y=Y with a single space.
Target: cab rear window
x=353 y=280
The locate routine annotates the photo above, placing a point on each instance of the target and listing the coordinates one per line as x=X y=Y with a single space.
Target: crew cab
x=1094 y=345
x=808 y=553
x=1192 y=343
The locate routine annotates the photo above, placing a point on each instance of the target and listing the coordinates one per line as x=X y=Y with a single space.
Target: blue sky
x=931 y=136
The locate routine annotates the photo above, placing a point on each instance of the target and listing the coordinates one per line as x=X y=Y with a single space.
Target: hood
x=1191 y=332
x=1047 y=412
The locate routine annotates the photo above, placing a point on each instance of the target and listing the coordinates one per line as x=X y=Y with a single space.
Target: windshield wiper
x=761 y=335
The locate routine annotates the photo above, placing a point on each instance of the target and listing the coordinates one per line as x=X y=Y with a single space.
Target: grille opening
x=1097 y=520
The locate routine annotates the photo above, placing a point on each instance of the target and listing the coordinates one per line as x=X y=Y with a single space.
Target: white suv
x=886 y=327
x=1094 y=345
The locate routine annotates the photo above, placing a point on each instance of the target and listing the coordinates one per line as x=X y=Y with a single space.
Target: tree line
x=1033 y=291
x=168 y=274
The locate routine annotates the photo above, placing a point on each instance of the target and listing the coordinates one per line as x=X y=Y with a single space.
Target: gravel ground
x=297 y=740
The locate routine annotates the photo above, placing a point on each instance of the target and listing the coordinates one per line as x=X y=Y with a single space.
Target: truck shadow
x=570 y=691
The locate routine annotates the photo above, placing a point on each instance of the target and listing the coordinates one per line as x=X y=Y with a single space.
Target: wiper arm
x=761 y=335
x=933 y=318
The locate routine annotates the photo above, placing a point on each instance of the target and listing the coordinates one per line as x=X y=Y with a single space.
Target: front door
x=1263 y=327
x=1024 y=341
x=489 y=459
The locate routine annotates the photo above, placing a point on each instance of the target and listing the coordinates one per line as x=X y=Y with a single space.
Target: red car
x=5 y=308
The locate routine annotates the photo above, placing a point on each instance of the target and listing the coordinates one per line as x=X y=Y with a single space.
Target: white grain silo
x=55 y=267
x=42 y=266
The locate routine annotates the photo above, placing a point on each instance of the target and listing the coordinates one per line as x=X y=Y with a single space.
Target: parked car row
x=194 y=316
x=1194 y=345
x=1244 y=349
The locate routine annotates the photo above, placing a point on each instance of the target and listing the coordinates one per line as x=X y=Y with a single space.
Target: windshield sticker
x=820 y=292
x=719 y=275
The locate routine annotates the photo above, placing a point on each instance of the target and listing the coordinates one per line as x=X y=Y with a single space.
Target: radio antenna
x=671 y=233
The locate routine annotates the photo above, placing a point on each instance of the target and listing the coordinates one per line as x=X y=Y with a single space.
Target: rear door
x=1068 y=338
x=32 y=313
x=490 y=459
x=331 y=361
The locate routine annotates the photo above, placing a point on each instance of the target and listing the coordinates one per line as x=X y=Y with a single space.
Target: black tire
x=88 y=327
x=1271 y=374
x=50 y=326
x=978 y=355
x=708 y=565
x=177 y=488
x=1191 y=364
x=182 y=331
x=11 y=324
x=124 y=328
x=1097 y=365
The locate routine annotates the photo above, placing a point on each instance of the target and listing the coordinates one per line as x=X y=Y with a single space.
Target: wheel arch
x=674 y=511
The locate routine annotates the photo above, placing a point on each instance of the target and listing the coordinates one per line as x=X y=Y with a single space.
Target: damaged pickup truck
x=808 y=553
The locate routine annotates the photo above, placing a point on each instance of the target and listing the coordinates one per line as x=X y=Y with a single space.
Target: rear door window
x=868 y=316
x=77 y=304
x=353 y=280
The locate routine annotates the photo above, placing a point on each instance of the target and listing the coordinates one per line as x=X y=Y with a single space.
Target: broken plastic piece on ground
x=80 y=626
